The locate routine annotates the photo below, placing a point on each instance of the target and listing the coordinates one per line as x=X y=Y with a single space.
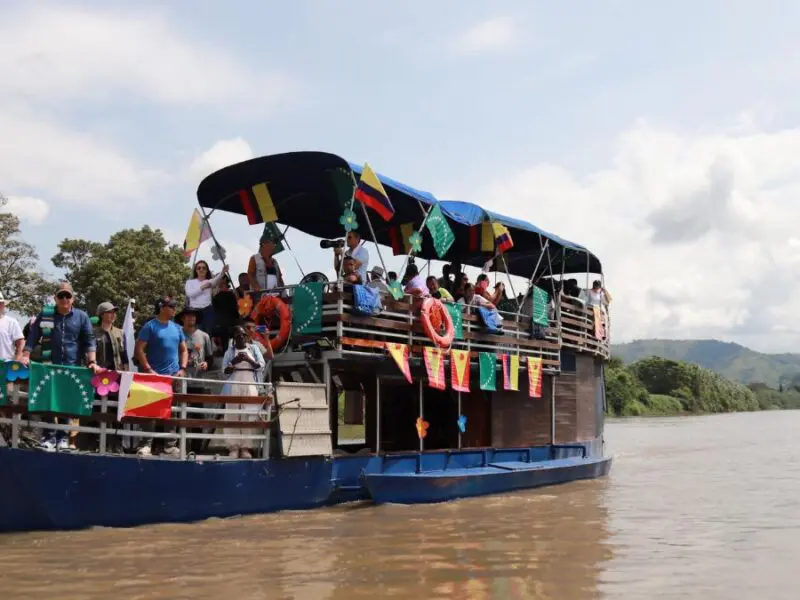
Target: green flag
x=488 y=372
x=271 y=232
x=458 y=319
x=441 y=234
x=307 y=308
x=396 y=290
x=3 y=384
x=61 y=389
x=540 y=311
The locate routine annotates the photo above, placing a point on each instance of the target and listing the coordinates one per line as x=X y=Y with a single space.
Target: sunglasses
x=63 y=295
x=202 y=268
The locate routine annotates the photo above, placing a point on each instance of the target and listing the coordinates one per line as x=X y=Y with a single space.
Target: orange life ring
x=263 y=314
x=434 y=315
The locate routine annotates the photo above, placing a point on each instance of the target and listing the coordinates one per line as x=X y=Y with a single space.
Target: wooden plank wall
x=518 y=420
x=576 y=411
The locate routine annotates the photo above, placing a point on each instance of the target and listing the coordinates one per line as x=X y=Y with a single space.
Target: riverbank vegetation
x=657 y=386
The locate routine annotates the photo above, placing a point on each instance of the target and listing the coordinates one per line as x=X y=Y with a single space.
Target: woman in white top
x=598 y=295
x=263 y=270
x=199 y=292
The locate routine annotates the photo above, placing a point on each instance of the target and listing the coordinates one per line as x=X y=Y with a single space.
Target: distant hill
x=733 y=361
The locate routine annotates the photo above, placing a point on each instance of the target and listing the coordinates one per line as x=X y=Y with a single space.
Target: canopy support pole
x=459 y=416
x=542 y=249
x=374 y=239
x=426 y=214
x=377 y=414
x=421 y=439
x=510 y=282
x=289 y=248
x=216 y=242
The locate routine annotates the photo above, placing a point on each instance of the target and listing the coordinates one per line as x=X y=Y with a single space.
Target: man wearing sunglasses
x=72 y=340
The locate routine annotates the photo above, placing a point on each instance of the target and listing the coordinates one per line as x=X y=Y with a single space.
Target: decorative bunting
x=458 y=319
x=348 y=220
x=488 y=371
x=510 y=371
x=440 y=231
x=487 y=237
x=415 y=242
x=535 y=376
x=197 y=233
x=16 y=371
x=396 y=290
x=434 y=365
x=399 y=352
x=462 y=423
x=422 y=428
x=271 y=232
x=60 y=389
x=459 y=370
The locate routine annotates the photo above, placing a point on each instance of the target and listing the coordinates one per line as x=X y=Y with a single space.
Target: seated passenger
x=391 y=276
x=437 y=290
x=471 y=298
x=446 y=280
x=263 y=270
x=415 y=285
x=349 y=273
x=376 y=280
x=355 y=250
x=461 y=283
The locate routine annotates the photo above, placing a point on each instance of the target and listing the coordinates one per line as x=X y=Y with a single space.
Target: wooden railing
x=577 y=327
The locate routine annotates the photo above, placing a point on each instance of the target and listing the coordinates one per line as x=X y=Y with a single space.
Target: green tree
x=134 y=264
x=24 y=286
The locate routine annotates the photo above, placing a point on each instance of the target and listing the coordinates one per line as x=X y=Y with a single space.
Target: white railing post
x=103 y=410
x=182 y=439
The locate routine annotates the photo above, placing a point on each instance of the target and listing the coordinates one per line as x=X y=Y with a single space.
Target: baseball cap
x=64 y=286
x=105 y=307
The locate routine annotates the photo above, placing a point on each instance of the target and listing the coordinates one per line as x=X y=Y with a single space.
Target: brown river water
x=695 y=507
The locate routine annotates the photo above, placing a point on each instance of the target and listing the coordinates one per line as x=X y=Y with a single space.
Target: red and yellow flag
x=510 y=371
x=459 y=370
x=257 y=204
x=399 y=352
x=535 y=376
x=144 y=395
x=434 y=364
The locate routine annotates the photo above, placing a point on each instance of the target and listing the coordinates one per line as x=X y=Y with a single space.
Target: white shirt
x=199 y=296
x=360 y=254
x=417 y=283
x=10 y=333
x=597 y=298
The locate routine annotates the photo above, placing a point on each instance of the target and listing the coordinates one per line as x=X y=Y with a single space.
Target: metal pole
x=459 y=416
x=421 y=416
x=289 y=248
x=422 y=225
x=552 y=409
x=377 y=414
x=542 y=249
x=374 y=239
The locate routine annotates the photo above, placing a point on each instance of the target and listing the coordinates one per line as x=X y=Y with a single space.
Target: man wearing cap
x=198 y=344
x=72 y=340
x=376 y=280
x=11 y=338
x=161 y=349
x=110 y=346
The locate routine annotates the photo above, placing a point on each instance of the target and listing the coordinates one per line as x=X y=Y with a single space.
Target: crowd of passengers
x=208 y=334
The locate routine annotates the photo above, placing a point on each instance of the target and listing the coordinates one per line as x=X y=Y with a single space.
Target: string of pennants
x=434 y=359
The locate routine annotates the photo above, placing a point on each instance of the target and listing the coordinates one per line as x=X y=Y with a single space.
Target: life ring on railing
x=434 y=315
x=264 y=312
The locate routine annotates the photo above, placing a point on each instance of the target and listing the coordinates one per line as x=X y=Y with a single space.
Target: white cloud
x=38 y=155
x=495 y=35
x=221 y=154
x=27 y=208
x=62 y=54
x=697 y=233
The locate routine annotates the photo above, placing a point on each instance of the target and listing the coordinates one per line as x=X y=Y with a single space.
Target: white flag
x=128 y=335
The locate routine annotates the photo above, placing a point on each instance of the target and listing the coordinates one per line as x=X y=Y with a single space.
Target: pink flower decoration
x=106 y=383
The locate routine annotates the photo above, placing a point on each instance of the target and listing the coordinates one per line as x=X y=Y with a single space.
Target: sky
x=663 y=136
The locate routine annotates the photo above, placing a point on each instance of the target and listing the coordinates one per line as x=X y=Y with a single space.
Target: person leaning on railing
x=161 y=349
x=72 y=341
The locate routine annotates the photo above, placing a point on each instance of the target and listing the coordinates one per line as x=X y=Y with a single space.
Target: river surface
x=695 y=507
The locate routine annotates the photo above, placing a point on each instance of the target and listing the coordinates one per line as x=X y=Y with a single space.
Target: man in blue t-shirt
x=161 y=349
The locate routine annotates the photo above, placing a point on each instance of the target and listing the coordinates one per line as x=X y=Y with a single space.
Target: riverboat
x=445 y=414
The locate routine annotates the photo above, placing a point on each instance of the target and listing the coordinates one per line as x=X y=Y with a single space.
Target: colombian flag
x=257 y=204
x=370 y=192
x=144 y=395
x=502 y=238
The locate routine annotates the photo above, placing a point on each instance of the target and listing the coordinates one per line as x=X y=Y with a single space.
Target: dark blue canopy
x=310 y=191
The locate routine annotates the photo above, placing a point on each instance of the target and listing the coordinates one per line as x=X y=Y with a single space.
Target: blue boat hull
x=44 y=491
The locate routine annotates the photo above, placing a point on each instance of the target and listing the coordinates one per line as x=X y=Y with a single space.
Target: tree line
x=658 y=386
x=135 y=264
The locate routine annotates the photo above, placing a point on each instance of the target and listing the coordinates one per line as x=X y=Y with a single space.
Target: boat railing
x=197 y=419
x=579 y=329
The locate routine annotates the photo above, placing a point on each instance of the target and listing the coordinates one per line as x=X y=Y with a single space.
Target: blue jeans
x=209 y=321
x=55 y=436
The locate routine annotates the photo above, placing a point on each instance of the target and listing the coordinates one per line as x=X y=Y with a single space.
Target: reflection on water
x=694 y=508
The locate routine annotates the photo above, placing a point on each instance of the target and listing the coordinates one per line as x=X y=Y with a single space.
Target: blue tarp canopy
x=528 y=242
x=310 y=190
